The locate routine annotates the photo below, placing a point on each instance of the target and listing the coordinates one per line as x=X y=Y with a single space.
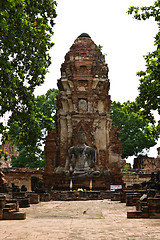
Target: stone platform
x=61 y=182
x=75 y=195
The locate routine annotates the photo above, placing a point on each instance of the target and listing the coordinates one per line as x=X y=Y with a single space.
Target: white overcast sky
x=124 y=40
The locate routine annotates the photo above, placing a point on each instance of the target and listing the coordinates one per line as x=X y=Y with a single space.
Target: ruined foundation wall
x=146 y=163
x=130 y=179
x=21 y=176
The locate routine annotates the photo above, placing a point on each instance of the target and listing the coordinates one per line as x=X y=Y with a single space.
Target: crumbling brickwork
x=11 y=150
x=83 y=101
x=21 y=176
x=147 y=163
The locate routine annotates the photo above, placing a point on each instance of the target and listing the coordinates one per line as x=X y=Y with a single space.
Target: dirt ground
x=79 y=220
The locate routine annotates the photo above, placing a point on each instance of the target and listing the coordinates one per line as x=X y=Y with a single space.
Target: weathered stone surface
x=34 y=197
x=150 y=210
x=45 y=197
x=147 y=163
x=83 y=102
x=82 y=158
x=102 y=219
x=9 y=209
x=75 y=195
x=11 y=150
x=2 y=178
x=21 y=176
x=14 y=215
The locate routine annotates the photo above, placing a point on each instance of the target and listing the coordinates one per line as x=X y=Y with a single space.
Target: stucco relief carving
x=82 y=105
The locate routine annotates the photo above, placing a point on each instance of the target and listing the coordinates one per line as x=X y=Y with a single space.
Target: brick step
x=23 y=202
x=34 y=198
x=137 y=214
x=11 y=205
x=11 y=215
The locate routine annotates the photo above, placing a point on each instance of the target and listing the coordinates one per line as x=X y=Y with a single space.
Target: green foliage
x=25 y=39
x=99 y=48
x=149 y=88
x=27 y=159
x=143 y=13
x=32 y=155
x=136 y=133
x=3 y=154
x=99 y=54
x=47 y=103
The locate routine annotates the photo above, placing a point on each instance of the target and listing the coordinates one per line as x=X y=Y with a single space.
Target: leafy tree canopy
x=25 y=39
x=136 y=133
x=27 y=159
x=149 y=88
x=32 y=155
x=47 y=102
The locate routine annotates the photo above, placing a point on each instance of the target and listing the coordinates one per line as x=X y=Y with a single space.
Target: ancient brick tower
x=83 y=102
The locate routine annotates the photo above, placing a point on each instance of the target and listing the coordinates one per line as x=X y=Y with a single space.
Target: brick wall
x=11 y=150
x=135 y=178
x=21 y=176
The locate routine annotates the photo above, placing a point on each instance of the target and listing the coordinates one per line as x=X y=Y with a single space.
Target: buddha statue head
x=81 y=136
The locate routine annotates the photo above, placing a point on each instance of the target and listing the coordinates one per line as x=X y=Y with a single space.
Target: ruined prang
x=84 y=103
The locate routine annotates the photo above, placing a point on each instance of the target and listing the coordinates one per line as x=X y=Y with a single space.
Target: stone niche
x=83 y=102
